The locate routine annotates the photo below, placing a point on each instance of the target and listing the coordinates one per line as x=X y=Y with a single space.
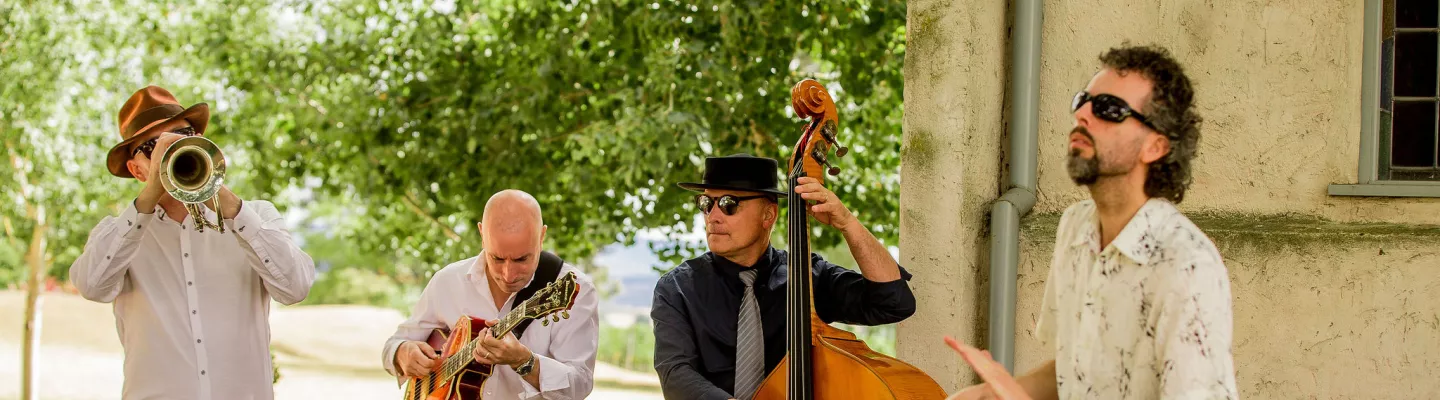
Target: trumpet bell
x=192 y=170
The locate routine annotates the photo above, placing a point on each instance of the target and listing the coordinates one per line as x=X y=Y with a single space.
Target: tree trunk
x=35 y=258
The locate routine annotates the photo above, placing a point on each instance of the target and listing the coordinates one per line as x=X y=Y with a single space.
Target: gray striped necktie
x=749 y=342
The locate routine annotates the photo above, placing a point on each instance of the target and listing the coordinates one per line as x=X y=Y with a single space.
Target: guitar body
x=469 y=383
x=458 y=376
x=848 y=369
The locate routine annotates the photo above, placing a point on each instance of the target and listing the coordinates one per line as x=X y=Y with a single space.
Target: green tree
x=414 y=116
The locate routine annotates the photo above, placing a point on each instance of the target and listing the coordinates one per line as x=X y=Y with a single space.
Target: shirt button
x=197 y=340
x=187 y=254
x=194 y=311
x=191 y=283
x=202 y=372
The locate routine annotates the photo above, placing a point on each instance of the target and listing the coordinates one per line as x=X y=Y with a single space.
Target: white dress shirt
x=192 y=308
x=564 y=350
x=1147 y=317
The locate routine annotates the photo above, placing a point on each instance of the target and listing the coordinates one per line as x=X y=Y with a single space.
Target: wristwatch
x=526 y=367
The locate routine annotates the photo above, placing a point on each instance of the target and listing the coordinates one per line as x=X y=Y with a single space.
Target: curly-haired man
x=1138 y=298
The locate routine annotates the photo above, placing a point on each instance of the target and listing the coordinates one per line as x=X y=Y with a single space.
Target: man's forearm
x=874 y=260
x=1039 y=383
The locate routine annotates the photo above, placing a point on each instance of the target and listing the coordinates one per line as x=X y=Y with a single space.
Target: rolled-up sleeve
x=852 y=299
x=568 y=371
x=286 y=271
x=676 y=354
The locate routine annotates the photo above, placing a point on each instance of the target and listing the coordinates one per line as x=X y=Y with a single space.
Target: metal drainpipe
x=1019 y=196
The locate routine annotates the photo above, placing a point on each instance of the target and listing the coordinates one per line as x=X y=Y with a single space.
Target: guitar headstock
x=556 y=297
x=811 y=101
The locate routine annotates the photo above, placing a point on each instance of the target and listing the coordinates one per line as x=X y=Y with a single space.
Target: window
x=1399 y=101
x=1409 y=66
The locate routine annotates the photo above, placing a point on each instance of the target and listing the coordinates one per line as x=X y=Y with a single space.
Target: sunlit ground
x=324 y=352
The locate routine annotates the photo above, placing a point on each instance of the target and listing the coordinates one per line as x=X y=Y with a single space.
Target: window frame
x=1368 y=182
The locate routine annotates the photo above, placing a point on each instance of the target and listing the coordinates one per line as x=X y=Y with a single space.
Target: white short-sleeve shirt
x=1147 y=317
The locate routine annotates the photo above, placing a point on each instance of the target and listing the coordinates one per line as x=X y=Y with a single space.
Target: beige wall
x=1278 y=83
x=1320 y=312
x=951 y=169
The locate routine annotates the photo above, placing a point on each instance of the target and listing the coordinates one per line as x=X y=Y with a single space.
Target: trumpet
x=192 y=170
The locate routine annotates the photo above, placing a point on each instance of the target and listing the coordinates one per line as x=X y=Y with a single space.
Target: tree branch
x=414 y=205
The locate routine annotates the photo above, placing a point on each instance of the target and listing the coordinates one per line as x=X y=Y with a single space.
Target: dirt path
x=324 y=352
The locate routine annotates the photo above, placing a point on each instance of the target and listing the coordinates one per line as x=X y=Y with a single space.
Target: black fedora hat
x=739 y=172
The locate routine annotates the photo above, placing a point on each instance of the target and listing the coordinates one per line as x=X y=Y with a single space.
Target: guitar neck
x=466 y=354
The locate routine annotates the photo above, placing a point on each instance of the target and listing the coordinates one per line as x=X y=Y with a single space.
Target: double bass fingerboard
x=797 y=314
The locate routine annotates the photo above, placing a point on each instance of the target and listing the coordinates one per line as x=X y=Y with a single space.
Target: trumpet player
x=191 y=300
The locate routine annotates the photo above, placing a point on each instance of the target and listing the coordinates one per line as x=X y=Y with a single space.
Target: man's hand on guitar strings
x=506 y=350
x=417 y=359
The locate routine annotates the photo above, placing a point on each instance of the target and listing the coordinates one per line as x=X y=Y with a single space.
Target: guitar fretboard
x=461 y=358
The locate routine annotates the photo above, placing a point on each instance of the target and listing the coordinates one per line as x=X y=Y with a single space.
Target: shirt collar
x=764 y=267
x=1137 y=239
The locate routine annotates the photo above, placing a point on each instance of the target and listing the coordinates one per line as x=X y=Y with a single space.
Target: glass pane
x=1413 y=138
x=1387 y=73
x=1383 y=147
x=1415 y=175
x=1416 y=13
x=1415 y=64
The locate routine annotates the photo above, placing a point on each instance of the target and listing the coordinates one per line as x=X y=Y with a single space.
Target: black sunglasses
x=149 y=145
x=1108 y=107
x=728 y=203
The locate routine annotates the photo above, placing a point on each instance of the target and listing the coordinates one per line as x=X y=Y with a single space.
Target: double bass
x=821 y=361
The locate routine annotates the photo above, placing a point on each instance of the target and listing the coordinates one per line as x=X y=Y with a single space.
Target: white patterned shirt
x=1147 y=317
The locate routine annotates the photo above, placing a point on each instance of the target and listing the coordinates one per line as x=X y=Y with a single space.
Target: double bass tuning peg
x=820 y=158
x=829 y=136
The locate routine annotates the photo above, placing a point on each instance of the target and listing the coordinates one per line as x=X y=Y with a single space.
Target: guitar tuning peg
x=556 y=318
x=544 y=322
x=840 y=152
x=565 y=313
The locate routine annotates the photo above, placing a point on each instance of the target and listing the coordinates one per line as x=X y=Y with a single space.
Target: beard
x=1087 y=171
x=1084 y=171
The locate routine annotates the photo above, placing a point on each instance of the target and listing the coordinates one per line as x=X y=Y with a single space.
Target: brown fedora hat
x=148 y=108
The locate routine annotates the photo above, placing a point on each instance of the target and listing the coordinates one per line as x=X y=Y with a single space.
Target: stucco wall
x=1320 y=312
x=1278 y=83
x=951 y=169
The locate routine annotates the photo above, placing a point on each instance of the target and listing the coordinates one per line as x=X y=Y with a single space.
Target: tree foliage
x=419 y=112
x=401 y=118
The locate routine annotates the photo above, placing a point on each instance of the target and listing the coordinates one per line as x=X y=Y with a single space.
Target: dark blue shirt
x=697 y=308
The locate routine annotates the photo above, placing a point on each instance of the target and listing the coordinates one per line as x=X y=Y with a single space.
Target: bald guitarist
x=554 y=361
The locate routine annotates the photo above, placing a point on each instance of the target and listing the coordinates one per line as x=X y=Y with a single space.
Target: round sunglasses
x=728 y=203
x=1108 y=107
x=149 y=145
